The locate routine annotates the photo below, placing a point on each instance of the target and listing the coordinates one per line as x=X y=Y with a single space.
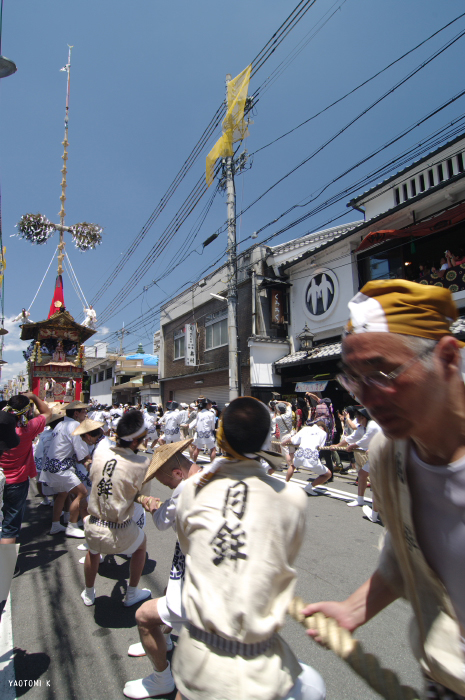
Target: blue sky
x=146 y=79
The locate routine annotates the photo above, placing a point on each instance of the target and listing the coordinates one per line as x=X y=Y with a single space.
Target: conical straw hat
x=162 y=454
x=87 y=426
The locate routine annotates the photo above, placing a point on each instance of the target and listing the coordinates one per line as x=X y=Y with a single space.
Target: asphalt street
x=65 y=651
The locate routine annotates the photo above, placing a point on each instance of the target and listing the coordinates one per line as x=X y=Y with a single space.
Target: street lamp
x=306 y=338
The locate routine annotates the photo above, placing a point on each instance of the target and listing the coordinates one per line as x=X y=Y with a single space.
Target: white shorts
x=209 y=443
x=308 y=686
x=130 y=550
x=170 y=617
x=61 y=481
x=302 y=463
x=366 y=467
x=171 y=438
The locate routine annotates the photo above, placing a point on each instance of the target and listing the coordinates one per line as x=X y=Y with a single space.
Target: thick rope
x=43 y=279
x=382 y=680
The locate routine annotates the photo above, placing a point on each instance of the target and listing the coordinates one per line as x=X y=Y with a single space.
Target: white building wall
x=337 y=265
x=101 y=391
x=381 y=201
x=262 y=357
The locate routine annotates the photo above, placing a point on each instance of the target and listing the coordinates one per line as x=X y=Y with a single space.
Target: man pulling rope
x=402 y=363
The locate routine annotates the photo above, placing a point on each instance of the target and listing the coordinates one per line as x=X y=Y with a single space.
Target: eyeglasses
x=378 y=380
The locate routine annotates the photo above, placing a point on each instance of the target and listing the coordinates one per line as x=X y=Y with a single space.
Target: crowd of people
x=446 y=262
x=239 y=529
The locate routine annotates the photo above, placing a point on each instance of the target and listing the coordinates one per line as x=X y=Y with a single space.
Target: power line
x=329 y=203
x=173 y=264
x=359 y=116
x=419 y=148
x=351 y=92
x=270 y=47
x=169 y=233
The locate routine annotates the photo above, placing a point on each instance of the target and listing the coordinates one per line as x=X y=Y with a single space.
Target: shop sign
x=277 y=306
x=190 y=348
x=321 y=294
x=311 y=386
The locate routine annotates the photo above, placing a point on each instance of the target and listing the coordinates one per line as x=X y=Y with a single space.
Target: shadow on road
x=28 y=668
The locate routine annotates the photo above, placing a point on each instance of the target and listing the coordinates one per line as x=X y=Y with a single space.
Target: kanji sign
x=191 y=338
x=277 y=306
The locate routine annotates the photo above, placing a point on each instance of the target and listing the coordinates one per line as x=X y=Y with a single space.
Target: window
x=94 y=379
x=431 y=178
x=397 y=195
x=440 y=173
x=101 y=376
x=413 y=188
x=109 y=373
x=179 y=344
x=405 y=192
x=387 y=265
x=216 y=334
x=450 y=168
x=460 y=162
x=422 y=183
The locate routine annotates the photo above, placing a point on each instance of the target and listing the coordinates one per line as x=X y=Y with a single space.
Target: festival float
x=55 y=355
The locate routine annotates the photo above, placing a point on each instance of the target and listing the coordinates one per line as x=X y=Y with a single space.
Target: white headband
x=138 y=433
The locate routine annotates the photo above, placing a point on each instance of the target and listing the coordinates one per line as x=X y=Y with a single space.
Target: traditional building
x=412 y=219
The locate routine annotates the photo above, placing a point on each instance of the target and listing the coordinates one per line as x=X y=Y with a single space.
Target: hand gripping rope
x=382 y=680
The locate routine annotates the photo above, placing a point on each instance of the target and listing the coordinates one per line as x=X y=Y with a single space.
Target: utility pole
x=121 y=338
x=234 y=354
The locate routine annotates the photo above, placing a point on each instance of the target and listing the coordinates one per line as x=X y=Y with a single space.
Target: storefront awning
x=443 y=221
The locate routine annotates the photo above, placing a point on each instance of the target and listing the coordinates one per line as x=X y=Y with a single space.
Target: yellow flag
x=234 y=124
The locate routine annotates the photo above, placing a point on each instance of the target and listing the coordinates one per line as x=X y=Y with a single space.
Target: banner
x=191 y=343
x=277 y=306
x=310 y=386
x=234 y=124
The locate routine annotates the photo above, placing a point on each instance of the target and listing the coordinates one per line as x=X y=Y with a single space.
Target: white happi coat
x=241 y=534
x=172 y=420
x=204 y=425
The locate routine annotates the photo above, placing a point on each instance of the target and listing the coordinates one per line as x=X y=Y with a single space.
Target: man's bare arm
x=42 y=406
x=366 y=602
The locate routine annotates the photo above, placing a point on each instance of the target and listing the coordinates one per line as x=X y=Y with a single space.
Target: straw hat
x=76 y=405
x=87 y=426
x=162 y=454
x=55 y=415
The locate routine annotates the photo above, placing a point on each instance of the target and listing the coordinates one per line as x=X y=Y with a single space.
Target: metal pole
x=232 y=274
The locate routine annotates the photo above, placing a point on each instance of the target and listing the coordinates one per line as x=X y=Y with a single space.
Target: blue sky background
x=146 y=79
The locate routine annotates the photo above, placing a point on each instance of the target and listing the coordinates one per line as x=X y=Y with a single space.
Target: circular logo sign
x=321 y=294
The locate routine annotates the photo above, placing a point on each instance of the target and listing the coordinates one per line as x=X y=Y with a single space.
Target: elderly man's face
x=400 y=411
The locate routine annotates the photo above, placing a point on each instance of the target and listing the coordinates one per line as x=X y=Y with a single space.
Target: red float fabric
x=57 y=296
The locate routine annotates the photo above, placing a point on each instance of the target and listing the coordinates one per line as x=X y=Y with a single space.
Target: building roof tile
x=319 y=353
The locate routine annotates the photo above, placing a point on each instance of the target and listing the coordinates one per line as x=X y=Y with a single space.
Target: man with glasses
x=401 y=361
